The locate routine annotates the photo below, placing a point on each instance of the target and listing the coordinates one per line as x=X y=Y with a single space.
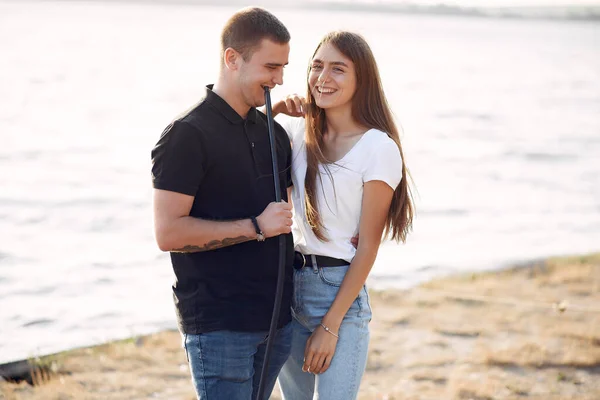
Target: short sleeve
x=177 y=161
x=288 y=172
x=385 y=163
x=294 y=127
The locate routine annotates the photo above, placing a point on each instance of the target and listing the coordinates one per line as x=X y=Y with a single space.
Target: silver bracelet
x=329 y=330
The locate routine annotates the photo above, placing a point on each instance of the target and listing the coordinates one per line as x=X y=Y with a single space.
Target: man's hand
x=292 y=105
x=319 y=351
x=354 y=241
x=276 y=219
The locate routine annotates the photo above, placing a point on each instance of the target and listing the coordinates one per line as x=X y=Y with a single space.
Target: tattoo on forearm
x=212 y=245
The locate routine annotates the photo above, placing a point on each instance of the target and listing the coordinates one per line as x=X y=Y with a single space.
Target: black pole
x=281 y=270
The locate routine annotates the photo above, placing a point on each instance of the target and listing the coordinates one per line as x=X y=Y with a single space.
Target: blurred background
x=499 y=102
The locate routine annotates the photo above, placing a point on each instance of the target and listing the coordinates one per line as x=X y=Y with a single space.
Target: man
x=214 y=212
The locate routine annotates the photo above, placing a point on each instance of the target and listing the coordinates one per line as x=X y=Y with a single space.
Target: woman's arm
x=377 y=198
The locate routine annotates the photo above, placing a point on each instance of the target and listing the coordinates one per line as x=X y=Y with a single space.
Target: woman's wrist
x=333 y=322
x=329 y=330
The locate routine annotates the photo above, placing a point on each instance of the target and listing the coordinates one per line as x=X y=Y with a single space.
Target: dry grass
x=531 y=332
x=142 y=368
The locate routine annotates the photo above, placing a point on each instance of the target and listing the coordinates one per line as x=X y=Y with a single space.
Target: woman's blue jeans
x=314 y=292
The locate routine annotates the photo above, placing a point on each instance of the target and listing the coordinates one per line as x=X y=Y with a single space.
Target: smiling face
x=332 y=78
x=263 y=68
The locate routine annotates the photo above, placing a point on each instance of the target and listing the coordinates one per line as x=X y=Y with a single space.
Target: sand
x=528 y=332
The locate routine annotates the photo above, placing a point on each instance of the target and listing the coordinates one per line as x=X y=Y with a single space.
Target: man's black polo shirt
x=224 y=161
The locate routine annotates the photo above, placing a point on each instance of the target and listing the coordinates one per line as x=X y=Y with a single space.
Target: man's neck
x=232 y=96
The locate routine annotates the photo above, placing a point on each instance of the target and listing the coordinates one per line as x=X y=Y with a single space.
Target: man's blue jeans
x=227 y=365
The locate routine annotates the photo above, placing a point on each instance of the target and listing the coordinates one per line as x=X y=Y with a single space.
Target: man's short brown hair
x=246 y=29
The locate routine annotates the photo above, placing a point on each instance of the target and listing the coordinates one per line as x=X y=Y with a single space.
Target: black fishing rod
x=281 y=269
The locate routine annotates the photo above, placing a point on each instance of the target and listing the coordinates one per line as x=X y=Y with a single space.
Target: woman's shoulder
x=376 y=138
x=379 y=145
x=384 y=159
x=294 y=127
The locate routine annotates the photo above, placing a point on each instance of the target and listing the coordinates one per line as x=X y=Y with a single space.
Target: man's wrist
x=247 y=228
x=260 y=236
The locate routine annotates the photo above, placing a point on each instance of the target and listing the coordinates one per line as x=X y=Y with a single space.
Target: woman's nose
x=323 y=76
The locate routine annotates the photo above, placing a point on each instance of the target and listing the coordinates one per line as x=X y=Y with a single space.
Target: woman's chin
x=324 y=104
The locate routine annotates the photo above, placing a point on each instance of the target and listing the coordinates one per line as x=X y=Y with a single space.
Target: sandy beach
x=528 y=332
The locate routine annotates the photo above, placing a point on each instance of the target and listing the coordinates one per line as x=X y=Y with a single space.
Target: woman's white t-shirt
x=374 y=157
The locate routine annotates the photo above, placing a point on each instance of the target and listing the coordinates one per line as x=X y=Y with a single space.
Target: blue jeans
x=314 y=291
x=227 y=364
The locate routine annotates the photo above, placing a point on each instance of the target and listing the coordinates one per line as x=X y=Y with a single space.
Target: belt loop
x=314 y=263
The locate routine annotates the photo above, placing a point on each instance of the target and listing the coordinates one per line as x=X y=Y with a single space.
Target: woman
x=349 y=179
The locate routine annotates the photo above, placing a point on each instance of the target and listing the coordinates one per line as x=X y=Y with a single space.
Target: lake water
x=501 y=123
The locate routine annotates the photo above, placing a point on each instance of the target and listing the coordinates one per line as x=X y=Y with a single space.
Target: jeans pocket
x=184 y=345
x=333 y=275
x=364 y=293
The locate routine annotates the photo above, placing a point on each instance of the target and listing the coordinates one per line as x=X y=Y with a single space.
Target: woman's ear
x=231 y=59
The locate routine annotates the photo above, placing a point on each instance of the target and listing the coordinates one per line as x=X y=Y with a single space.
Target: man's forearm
x=192 y=235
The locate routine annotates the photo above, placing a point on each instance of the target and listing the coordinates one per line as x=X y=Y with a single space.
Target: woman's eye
x=316 y=67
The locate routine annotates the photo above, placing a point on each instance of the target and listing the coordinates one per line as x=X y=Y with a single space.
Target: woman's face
x=332 y=78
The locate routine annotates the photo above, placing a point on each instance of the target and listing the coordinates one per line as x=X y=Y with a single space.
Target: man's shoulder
x=187 y=126
x=196 y=116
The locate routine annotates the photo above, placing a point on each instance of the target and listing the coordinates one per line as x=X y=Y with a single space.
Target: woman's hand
x=319 y=351
x=292 y=105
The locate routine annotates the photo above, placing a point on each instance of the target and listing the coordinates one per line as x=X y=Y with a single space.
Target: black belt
x=302 y=260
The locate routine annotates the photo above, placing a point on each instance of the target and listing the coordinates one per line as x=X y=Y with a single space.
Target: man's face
x=264 y=68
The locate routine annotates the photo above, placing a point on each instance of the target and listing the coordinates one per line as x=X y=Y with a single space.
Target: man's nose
x=278 y=77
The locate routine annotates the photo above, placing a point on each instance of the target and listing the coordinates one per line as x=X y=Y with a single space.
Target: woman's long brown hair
x=370 y=109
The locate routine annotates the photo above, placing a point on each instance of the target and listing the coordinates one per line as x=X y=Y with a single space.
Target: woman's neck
x=339 y=122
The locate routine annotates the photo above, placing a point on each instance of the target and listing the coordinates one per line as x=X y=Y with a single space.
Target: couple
x=342 y=165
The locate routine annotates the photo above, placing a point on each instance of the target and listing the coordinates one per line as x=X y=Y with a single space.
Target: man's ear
x=232 y=59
